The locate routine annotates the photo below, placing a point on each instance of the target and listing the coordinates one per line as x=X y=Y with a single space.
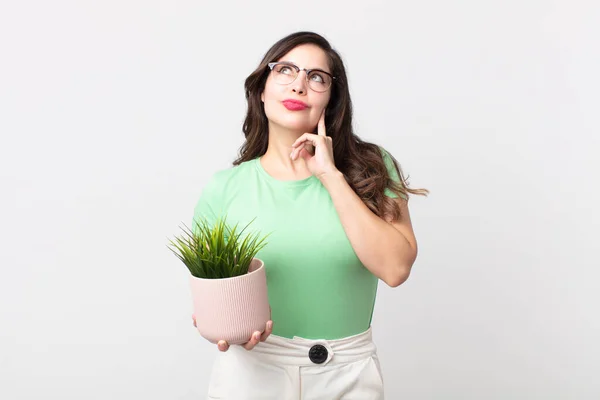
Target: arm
x=387 y=249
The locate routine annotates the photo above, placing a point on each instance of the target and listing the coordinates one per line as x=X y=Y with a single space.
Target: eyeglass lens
x=285 y=74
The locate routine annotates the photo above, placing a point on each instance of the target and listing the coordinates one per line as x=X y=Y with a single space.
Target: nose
x=299 y=85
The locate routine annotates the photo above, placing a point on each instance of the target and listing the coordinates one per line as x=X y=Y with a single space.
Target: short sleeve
x=389 y=163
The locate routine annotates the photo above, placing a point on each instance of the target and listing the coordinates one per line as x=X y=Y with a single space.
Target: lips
x=294 y=105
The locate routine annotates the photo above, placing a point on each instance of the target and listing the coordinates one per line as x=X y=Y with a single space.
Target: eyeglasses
x=285 y=73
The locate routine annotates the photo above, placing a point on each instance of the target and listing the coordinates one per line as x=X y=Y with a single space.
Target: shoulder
x=389 y=161
x=223 y=179
x=218 y=191
x=387 y=156
x=394 y=174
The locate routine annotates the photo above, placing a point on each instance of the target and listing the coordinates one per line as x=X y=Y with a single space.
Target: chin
x=292 y=122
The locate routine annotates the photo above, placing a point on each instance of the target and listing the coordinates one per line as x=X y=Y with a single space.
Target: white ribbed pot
x=231 y=309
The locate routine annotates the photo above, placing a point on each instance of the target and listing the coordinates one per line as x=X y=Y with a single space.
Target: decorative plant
x=217 y=251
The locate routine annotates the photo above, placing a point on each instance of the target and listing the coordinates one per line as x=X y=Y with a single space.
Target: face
x=284 y=114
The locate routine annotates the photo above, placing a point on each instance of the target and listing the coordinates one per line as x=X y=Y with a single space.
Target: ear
x=262 y=96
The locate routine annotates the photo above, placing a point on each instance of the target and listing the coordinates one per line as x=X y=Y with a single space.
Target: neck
x=276 y=159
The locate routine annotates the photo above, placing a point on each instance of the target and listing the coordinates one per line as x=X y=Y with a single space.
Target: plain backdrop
x=113 y=115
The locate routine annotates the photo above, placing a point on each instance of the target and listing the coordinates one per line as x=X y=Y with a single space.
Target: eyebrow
x=312 y=69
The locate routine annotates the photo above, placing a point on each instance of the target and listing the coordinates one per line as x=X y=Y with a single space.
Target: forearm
x=380 y=247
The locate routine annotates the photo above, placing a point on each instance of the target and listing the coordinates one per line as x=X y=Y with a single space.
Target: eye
x=317 y=77
x=284 y=69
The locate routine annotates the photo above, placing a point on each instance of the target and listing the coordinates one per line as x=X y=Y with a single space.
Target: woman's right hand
x=249 y=345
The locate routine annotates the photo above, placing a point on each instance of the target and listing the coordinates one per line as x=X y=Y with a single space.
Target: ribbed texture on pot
x=231 y=309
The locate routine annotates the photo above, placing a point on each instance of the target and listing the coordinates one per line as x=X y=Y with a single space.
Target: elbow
x=398 y=277
x=400 y=271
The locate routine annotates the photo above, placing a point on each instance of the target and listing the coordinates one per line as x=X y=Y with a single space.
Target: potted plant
x=228 y=283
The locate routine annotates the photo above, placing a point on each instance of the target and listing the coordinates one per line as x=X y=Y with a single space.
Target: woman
x=336 y=210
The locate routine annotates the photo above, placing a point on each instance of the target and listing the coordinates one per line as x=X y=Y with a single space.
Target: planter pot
x=231 y=309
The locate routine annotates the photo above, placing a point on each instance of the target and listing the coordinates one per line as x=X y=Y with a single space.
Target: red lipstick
x=294 y=105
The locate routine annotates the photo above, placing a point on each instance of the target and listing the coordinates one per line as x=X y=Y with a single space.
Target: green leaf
x=217 y=250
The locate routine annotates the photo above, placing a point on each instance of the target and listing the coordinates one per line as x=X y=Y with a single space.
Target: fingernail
x=270 y=325
x=257 y=336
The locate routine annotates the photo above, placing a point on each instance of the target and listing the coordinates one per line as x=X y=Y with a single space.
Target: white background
x=113 y=114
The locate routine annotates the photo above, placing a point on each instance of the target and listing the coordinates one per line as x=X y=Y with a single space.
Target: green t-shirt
x=317 y=286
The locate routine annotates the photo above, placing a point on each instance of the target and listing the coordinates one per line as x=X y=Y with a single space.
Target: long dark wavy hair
x=361 y=162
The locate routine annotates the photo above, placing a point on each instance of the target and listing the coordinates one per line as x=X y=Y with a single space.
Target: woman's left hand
x=316 y=150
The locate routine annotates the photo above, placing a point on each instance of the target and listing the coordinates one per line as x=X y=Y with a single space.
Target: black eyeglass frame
x=298 y=69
